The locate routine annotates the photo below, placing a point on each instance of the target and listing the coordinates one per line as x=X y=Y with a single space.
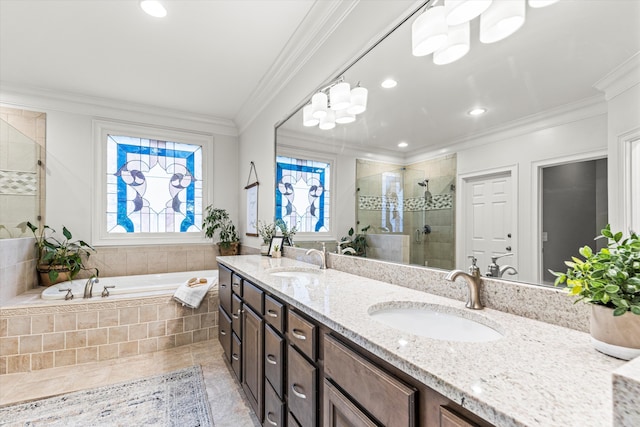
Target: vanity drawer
x=224 y=332
x=253 y=296
x=236 y=353
x=302 y=334
x=340 y=411
x=274 y=312
x=236 y=284
x=224 y=288
x=301 y=388
x=392 y=403
x=273 y=359
x=273 y=408
x=236 y=311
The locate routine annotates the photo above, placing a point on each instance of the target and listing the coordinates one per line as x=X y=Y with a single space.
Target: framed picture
x=276 y=242
x=252 y=209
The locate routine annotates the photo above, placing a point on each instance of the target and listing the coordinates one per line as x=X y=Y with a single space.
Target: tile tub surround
x=17 y=267
x=547 y=304
x=531 y=377
x=49 y=334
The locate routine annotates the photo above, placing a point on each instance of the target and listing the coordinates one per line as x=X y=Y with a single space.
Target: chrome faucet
x=473 y=282
x=508 y=269
x=88 y=287
x=323 y=256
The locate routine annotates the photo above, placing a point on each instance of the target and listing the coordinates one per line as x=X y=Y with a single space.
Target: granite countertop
x=538 y=374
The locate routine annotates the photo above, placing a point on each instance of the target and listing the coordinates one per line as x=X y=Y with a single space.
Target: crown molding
x=317 y=26
x=621 y=78
x=38 y=98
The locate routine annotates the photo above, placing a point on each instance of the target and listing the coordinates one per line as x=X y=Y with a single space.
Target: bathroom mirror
x=543 y=110
x=22 y=142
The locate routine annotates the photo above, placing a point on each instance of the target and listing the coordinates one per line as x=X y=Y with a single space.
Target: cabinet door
x=273 y=408
x=236 y=353
x=273 y=359
x=449 y=418
x=302 y=388
x=224 y=288
x=224 y=332
x=252 y=345
x=236 y=318
x=339 y=411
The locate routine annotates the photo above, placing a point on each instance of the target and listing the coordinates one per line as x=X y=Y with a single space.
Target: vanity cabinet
x=296 y=372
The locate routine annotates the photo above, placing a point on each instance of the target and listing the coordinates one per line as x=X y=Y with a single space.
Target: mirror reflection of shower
x=427 y=194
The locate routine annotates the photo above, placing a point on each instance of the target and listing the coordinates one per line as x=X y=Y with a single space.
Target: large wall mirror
x=433 y=183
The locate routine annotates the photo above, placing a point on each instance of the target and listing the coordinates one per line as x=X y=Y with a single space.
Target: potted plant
x=609 y=279
x=217 y=221
x=286 y=232
x=266 y=231
x=355 y=244
x=60 y=259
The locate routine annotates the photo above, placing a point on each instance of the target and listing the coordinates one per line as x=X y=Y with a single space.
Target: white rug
x=177 y=398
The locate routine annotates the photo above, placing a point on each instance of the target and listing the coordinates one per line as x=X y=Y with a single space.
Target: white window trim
x=332 y=161
x=103 y=128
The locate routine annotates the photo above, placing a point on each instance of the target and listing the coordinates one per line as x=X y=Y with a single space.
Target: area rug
x=177 y=398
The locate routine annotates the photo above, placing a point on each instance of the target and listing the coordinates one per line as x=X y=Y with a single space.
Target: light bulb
x=429 y=31
x=153 y=8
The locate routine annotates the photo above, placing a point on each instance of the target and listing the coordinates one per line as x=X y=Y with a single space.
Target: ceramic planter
x=617 y=336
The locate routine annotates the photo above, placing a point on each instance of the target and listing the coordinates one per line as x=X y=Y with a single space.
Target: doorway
x=574 y=210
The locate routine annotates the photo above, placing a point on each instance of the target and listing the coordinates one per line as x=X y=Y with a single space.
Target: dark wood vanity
x=296 y=371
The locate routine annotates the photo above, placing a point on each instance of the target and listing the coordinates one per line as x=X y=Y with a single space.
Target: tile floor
x=228 y=405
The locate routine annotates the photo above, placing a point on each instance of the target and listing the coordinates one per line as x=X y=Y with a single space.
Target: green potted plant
x=609 y=280
x=217 y=222
x=266 y=231
x=356 y=242
x=60 y=259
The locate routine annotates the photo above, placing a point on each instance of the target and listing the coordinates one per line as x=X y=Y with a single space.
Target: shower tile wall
x=22 y=143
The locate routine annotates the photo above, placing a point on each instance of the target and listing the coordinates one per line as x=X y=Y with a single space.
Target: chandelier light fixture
x=154 y=8
x=335 y=103
x=444 y=30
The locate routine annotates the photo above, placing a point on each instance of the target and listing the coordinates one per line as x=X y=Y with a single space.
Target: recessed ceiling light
x=389 y=83
x=477 y=111
x=153 y=8
x=403 y=144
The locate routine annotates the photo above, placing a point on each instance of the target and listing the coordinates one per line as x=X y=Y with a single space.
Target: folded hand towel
x=192 y=296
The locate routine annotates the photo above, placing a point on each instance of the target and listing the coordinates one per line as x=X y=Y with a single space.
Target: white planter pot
x=617 y=336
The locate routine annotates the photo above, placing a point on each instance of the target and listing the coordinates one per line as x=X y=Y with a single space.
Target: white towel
x=192 y=296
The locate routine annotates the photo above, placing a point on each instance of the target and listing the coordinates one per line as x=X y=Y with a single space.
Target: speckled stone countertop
x=536 y=375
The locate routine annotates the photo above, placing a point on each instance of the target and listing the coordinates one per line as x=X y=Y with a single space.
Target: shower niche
x=409 y=209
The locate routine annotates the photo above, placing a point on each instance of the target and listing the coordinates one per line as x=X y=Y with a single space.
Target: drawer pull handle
x=234 y=356
x=272 y=313
x=223 y=332
x=236 y=316
x=296 y=392
x=271 y=359
x=297 y=333
x=223 y=285
x=269 y=420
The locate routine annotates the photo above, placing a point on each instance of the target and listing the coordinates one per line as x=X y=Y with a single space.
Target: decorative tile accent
x=20 y=183
x=412 y=204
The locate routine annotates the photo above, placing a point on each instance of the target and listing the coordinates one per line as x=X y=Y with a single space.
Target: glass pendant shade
x=328 y=121
x=343 y=117
x=340 y=96
x=456 y=46
x=541 y=3
x=503 y=18
x=460 y=11
x=358 y=100
x=319 y=105
x=307 y=119
x=429 y=31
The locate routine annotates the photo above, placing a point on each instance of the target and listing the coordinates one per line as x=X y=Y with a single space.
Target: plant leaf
x=619 y=311
x=66 y=233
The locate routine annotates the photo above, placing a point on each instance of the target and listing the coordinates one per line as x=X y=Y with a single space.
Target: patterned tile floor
x=228 y=405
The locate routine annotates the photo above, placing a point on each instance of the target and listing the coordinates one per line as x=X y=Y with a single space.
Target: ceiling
x=205 y=57
x=552 y=62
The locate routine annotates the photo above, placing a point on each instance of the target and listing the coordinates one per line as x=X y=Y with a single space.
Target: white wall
x=70 y=152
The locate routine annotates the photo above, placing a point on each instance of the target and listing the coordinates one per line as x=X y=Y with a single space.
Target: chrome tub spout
x=88 y=287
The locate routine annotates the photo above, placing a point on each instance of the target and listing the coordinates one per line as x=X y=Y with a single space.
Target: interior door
x=488 y=210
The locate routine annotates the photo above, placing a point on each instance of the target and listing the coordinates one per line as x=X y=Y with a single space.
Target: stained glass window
x=303 y=194
x=153 y=186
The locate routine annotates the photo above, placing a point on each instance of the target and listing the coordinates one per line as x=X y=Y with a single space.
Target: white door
x=488 y=213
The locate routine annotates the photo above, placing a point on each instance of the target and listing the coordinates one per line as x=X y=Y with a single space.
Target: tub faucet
x=473 y=282
x=88 y=287
x=323 y=256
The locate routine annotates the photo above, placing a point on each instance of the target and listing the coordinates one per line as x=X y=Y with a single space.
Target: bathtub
x=129 y=285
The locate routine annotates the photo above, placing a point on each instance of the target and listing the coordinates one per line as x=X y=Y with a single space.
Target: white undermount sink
x=294 y=272
x=432 y=321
